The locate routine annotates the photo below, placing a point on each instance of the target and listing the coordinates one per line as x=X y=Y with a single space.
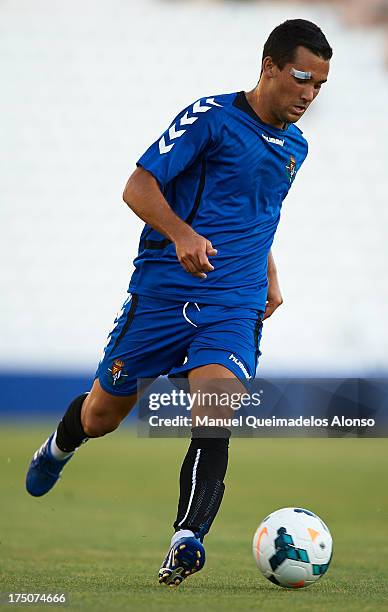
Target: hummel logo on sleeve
x=240 y=365
x=174 y=132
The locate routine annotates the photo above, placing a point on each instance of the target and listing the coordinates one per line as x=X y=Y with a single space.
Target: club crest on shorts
x=117 y=372
x=291 y=168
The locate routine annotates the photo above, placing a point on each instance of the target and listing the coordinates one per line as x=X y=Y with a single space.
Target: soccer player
x=210 y=191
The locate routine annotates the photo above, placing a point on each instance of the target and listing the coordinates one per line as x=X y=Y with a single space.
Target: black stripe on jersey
x=258 y=326
x=160 y=244
x=201 y=187
x=156 y=244
x=130 y=315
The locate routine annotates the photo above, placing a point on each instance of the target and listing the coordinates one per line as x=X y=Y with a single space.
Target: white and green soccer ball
x=292 y=547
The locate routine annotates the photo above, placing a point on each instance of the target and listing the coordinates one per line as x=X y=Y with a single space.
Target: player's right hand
x=193 y=251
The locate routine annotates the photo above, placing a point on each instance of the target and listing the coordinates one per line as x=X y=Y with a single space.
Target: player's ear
x=268 y=67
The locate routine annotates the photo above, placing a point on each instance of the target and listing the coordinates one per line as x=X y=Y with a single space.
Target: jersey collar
x=242 y=103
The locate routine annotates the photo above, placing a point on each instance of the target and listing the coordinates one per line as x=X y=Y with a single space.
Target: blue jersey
x=226 y=173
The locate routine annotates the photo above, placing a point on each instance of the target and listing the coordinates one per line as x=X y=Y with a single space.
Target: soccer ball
x=292 y=547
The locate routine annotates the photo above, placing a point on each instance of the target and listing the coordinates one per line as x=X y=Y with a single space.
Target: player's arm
x=188 y=137
x=143 y=195
x=274 y=296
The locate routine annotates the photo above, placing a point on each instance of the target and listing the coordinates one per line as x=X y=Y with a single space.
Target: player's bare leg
x=90 y=415
x=201 y=478
x=102 y=413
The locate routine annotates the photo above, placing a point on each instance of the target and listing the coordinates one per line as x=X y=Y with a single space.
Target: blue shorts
x=152 y=337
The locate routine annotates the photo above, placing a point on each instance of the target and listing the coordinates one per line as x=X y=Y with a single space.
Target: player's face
x=291 y=95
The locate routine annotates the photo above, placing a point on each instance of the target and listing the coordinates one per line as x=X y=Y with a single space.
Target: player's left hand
x=274 y=296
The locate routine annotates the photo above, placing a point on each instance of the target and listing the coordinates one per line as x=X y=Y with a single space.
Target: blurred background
x=86 y=87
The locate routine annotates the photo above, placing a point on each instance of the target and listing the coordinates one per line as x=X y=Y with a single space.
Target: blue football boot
x=44 y=470
x=184 y=558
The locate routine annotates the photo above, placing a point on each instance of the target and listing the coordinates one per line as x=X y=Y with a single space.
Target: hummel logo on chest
x=272 y=140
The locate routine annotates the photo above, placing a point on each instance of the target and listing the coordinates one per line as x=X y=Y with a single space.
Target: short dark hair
x=284 y=40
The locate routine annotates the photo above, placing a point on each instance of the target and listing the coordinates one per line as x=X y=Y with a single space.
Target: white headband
x=305 y=76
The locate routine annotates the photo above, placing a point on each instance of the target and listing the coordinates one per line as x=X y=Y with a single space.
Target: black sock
x=70 y=433
x=202 y=480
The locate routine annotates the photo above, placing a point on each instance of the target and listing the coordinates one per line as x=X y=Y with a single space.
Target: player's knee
x=98 y=428
x=97 y=423
x=218 y=396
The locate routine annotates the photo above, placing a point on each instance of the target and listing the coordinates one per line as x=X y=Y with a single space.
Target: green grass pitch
x=101 y=534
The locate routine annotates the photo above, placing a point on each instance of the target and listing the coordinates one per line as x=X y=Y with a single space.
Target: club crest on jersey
x=291 y=168
x=117 y=372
